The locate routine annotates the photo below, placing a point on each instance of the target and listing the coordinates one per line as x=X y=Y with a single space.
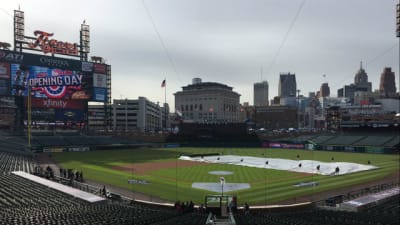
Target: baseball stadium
x=55 y=170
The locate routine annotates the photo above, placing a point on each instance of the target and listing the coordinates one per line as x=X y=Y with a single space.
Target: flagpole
x=165 y=103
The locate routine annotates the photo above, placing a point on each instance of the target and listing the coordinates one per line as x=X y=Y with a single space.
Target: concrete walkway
x=131 y=194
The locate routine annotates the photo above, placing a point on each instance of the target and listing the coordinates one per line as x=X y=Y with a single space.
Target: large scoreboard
x=58 y=82
x=62 y=85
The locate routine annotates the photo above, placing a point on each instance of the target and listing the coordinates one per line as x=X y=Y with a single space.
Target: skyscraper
x=361 y=79
x=387 y=86
x=261 y=93
x=324 y=91
x=287 y=85
x=360 y=84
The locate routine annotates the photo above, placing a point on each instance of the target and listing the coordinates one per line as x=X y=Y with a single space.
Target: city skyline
x=237 y=43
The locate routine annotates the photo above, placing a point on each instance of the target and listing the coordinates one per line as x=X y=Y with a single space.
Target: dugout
x=220 y=205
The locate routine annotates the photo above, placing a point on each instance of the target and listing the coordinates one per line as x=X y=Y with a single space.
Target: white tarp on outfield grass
x=307 y=166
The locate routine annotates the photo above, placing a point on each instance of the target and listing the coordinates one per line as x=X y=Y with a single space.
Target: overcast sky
x=235 y=42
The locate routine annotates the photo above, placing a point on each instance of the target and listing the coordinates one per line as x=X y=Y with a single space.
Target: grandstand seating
x=25 y=202
x=12 y=143
x=343 y=140
x=50 y=140
x=214 y=135
x=390 y=208
x=298 y=139
x=384 y=140
x=16 y=162
x=373 y=141
x=321 y=139
x=386 y=214
x=71 y=140
x=393 y=142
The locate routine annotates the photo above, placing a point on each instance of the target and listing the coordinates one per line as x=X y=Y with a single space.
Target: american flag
x=163 y=83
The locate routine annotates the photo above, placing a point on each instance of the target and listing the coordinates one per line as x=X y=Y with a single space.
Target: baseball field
x=161 y=173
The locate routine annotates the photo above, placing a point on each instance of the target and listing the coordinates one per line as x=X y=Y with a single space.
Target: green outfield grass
x=267 y=186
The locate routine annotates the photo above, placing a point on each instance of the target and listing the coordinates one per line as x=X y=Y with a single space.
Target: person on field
x=246 y=209
x=337 y=170
x=104 y=191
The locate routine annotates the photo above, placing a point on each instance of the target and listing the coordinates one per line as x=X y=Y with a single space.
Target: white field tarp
x=307 y=166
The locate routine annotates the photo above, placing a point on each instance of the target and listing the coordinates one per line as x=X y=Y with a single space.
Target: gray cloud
x=226 y=41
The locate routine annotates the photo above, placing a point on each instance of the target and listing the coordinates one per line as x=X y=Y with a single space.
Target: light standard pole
x=29 y=120
x=176 y=178
x=398 y=33
x=133 y=178
x=298 y=108
x=266 y=188
x=126 y=115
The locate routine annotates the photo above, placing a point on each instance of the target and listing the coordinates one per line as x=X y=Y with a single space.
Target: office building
x=324 y=91
x=208 y=102
x=287 y=85
x=261 y=94
x=360 y=84
x=361 y=79
x=138 y=115
x=387 y=86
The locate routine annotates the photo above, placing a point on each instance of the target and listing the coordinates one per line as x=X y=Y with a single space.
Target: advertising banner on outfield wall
x=53 y=149
x=285 y=145
x=374 y=150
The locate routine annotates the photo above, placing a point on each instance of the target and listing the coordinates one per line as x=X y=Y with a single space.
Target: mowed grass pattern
x=267 y=185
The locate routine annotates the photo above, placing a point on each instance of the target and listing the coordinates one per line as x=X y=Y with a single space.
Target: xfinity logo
x=11 y=57
x=49 y=103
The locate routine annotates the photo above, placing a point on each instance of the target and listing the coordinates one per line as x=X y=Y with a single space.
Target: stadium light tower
x=176 y=177
x=126 y=115
x=222 y=180
x=29 y=119
x=398 y=34
x=266 y=178
x=298 y=108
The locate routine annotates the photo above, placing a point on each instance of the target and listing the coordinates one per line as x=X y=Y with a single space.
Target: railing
x=333 y=200
x=78 y=185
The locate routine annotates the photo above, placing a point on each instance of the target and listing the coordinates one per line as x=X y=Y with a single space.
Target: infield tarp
x=301 y=166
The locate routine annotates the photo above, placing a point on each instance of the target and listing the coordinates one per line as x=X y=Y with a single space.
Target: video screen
x=47 y=82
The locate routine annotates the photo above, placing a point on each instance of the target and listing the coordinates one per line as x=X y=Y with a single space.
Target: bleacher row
x=386 y=214
x=357 y=140
x=26 y=202
x=14 y=162
x=80 y=140
x=12 y=143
